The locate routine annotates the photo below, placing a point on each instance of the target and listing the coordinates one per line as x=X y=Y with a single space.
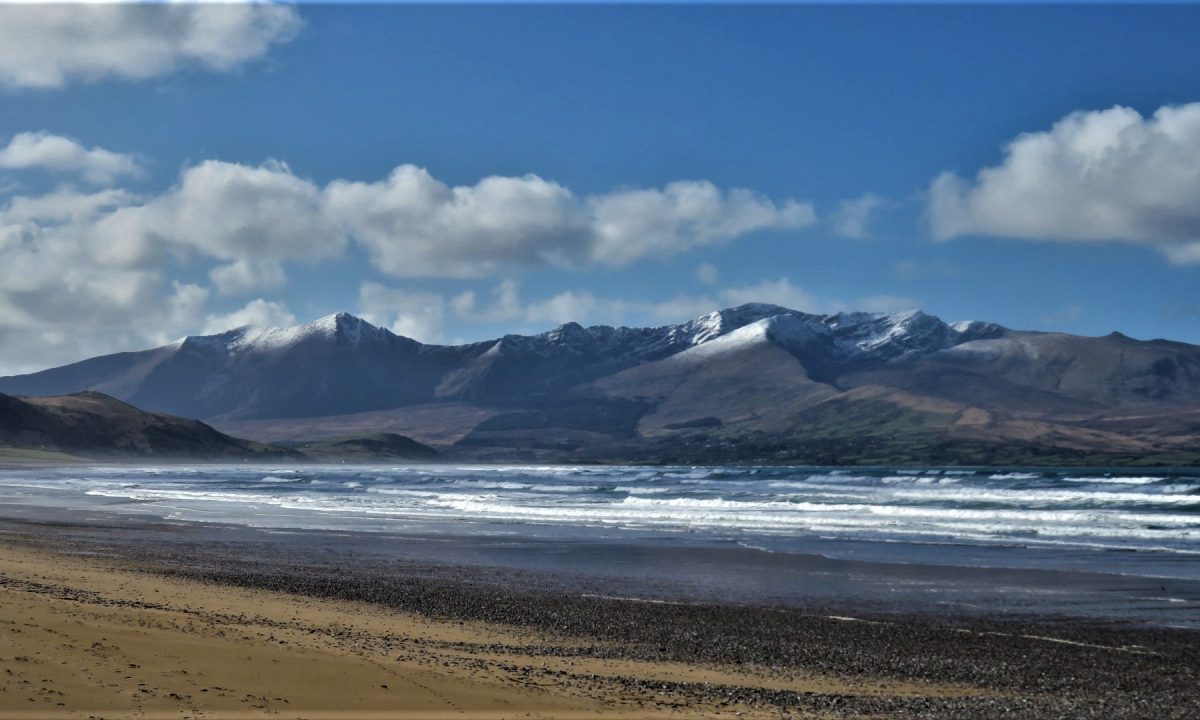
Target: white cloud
x=423 y=316
x=1108 y=175
x=185 y=305
x=417 y=315
x=413 y=225
x=632 y=224
x=235 y=212
x=65 y=205
x=87 y=273
x=62 y=301
x=564 y=307
x=853 y=217
x=246 y=275
x=506 y=305
x=777 y=292
x=49 y=46
x=252 y=218
x=256 y=313
x=55 y=153
x=707 y=273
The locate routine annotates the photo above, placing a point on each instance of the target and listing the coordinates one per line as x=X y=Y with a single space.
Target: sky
x=457 y=173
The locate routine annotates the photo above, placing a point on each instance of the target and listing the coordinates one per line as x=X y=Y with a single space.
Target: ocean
x=1143 y=523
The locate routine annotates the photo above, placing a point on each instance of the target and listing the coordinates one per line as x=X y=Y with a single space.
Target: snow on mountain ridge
x=790 y=331
x=252 y=338
x=742 y=337
x=876 y=336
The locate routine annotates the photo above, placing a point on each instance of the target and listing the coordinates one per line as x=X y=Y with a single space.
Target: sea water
x=1143 y=522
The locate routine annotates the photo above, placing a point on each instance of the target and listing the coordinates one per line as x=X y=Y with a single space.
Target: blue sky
x=1090 y=225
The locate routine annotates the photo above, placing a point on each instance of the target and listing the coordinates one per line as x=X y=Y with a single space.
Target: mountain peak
x=568 y=332
x=338 y=320
x=252 y=338
x=763 y=309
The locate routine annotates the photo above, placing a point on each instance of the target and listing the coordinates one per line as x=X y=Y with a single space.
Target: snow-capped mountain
x=759 y=369
x=341 y=364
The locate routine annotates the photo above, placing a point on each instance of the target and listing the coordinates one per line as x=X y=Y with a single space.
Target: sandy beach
x=84 y=638
x=119 y=626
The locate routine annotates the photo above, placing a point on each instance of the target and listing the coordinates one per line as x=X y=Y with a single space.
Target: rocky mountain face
x=755 y=382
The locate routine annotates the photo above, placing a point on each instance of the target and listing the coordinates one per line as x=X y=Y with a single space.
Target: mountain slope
x=94 y=424
x=374 y=447
x=740 y=377
x=338 y=364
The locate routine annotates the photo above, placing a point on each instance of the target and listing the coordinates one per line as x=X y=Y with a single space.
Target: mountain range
x=751 y=383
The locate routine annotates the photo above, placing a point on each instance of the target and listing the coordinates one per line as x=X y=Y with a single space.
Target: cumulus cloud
x=55 y=153
x=631 y=224
x=236 y=212
x=253 y=218
x=49 y=46
x=1110 y=175
x=853 y=217
x=256 y=313
x=707 y=273
x=63 y=295
x=414 y=225
x=60 y=303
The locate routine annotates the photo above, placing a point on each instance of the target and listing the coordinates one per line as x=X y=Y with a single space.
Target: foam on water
x=1089 y=511
x=1115 y=480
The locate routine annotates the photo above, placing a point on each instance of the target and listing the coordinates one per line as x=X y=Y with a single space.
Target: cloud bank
x=1100 y=176
x=50 y=46
x=86 y=270
x=413 y=225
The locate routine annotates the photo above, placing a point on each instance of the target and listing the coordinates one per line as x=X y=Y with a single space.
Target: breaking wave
x=1157 y=513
